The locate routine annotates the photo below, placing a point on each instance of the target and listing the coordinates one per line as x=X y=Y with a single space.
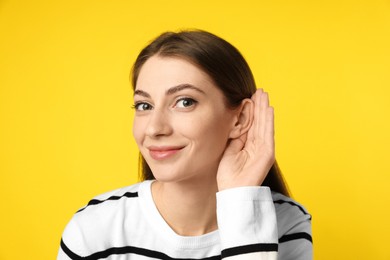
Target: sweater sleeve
x=247 y=223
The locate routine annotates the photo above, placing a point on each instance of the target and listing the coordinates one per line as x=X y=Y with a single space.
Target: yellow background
x=65 y=133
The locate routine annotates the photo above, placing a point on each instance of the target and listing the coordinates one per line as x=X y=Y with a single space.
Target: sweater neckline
x=161 y=227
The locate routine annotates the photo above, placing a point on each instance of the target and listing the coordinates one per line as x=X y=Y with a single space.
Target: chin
x=165 y=174
x=169 y=176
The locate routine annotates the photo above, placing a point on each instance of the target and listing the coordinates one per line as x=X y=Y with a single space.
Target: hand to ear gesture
x=248 y=158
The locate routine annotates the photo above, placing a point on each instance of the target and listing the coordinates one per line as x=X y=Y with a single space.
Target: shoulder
x=294 y=225
x=106 y=206
x=291 y=215
x=111 y=198
x=289 y=208
x=103 y=216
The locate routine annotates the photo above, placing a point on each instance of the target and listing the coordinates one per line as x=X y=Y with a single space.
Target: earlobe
x=244 y=118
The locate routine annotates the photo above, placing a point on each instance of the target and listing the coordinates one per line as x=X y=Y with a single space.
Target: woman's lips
x=163 y=152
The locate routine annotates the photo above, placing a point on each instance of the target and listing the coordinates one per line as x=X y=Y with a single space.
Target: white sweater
x=253 y=223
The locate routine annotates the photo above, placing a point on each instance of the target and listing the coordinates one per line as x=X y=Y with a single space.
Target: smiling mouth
x=161 y=153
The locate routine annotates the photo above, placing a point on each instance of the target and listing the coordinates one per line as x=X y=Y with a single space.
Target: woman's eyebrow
x=170 y=91
x=141 y=93
x=180 y=87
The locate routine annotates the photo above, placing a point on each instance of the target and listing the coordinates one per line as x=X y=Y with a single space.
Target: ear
x=243 y=119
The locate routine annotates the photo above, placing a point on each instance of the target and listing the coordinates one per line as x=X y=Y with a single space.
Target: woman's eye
x=185 y=102
x=142 y=106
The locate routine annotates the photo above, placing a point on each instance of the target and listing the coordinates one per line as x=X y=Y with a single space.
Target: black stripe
x=138 y=251
x=68 y=252
x=293 y=204
x=127 y=250
x=132 y=250
x=295 y=236
x=95 y=201
x=159 y=255
x=249 y=249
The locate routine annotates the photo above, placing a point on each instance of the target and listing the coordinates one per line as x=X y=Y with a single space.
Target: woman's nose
x=158 y=124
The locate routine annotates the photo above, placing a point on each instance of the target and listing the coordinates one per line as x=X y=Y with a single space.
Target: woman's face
x=181 y=122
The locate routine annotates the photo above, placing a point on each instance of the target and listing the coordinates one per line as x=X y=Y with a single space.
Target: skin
x=194 y=144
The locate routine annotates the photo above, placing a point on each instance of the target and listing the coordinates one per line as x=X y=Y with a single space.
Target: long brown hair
x=223 y=63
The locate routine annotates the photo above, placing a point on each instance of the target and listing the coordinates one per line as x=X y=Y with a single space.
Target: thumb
x=236 y=145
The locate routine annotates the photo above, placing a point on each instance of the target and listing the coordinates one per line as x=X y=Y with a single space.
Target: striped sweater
x=253 y=223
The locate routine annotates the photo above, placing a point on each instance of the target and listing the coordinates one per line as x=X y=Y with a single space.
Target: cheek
x=138 y=130
x=208 y=131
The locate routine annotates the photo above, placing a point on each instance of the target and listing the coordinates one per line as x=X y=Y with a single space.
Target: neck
x=189 y=207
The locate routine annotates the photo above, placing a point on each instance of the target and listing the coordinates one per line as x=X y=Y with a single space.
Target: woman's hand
x=247 y=159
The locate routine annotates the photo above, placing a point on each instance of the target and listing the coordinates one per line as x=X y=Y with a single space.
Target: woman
x=206 y=138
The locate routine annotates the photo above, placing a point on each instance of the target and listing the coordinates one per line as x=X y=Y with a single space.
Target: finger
x=264 y=105
x=270 y=129
x=259 y=119
x=255 y=125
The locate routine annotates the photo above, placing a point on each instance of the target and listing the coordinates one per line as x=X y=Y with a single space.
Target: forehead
x=165 y=72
